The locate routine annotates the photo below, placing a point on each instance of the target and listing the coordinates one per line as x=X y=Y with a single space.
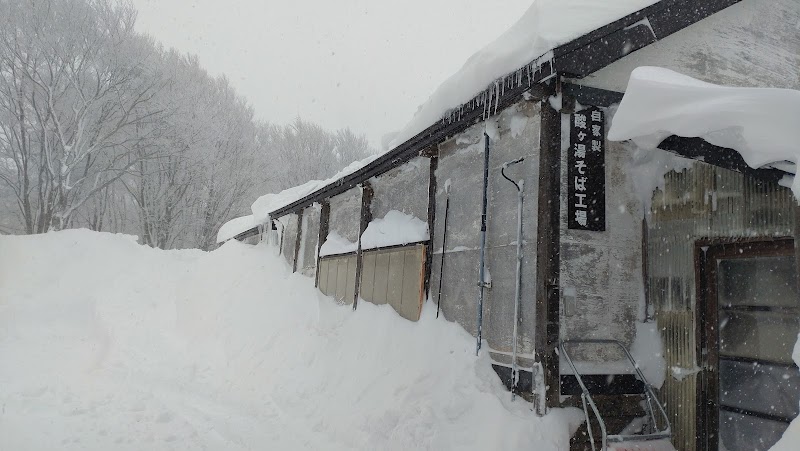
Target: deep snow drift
x=106 y=345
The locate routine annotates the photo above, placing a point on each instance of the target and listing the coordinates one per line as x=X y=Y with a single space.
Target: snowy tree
x=74 y=87
x=102 y=128
x=313 y=152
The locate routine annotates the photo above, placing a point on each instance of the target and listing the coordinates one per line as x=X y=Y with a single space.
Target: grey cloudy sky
x=366 y=64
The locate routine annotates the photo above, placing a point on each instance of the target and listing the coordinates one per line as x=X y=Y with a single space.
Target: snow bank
x=336 y=244
x=234 y=227
x=108 y=345
x=268 y=203
x=546 y=25
x=759 y=123
x=393 y=229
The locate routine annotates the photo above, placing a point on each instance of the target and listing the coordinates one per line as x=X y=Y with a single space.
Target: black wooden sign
x=586 y=174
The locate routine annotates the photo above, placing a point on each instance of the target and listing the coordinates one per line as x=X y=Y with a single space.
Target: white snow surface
x=109 y=345
x=234 y=227
x=394 y=228
x=544 y=26
x=759 y=123
x=268 y=203
x=336 y=244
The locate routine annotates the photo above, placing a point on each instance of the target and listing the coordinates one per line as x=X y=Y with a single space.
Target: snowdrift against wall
x=759 y=123
x=120 y=346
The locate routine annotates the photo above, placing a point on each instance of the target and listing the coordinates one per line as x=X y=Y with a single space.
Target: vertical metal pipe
x=517 y=294
x=518 y=281
x=444 y=249
x=481 y=269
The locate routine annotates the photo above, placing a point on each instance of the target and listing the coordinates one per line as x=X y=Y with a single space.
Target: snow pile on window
x=336 y=244
x=544 y=26
x=108 y=345
x=268 y=203
x=759 y=123
x=393 y=229
x=234 y=227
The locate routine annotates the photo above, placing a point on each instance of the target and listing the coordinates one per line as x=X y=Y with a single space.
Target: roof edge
x=577 y=58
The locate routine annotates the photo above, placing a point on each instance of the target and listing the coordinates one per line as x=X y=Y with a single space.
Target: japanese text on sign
x=586 y=204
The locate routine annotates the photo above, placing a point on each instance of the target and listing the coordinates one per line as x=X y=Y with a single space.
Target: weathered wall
x=309 y=237
x=602 y=269
x=289 y=236
x=752 y=43
x=345 y=216
x=338 y=274
x=404 y=189
x=461 y=168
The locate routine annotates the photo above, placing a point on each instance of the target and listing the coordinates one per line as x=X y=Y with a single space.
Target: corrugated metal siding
x=702 y=202
x=680 y=396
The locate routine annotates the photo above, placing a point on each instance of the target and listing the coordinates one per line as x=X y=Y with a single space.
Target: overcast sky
x=366 y=64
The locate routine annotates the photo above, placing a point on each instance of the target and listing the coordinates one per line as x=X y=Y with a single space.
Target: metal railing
x=653 y=432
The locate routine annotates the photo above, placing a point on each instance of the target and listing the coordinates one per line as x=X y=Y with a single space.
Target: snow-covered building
x=684 y=254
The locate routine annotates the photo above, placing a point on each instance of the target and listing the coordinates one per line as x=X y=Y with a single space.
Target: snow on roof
x=234 y=227
x=759 y=123
x=544 y=26
x=268 y=203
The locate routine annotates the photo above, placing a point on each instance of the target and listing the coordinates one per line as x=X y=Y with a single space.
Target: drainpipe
x=518 y=282
x=481 y=270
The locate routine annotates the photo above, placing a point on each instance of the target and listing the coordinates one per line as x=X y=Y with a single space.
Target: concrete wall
x=752 y=43
x=309 y=238
x=603 y=269
x=461 y=168
x=404 y=189
x=345 y=219
x=345 y=216
x=289 y=236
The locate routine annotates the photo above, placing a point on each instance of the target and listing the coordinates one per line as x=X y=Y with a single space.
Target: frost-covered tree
x=100 y=127
x=312 y=152
x=75 y=84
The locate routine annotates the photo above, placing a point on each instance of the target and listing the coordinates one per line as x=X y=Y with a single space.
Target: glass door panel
x=757 y=318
